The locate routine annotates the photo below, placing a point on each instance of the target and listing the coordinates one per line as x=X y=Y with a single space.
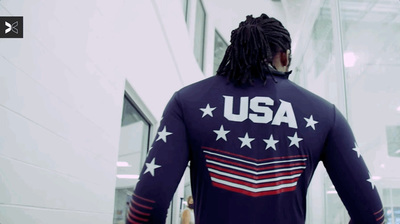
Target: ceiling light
x=122 y=164
x=349 y=59
x=127 y=176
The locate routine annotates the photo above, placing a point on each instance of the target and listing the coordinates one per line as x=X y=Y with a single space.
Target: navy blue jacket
x=252 y=151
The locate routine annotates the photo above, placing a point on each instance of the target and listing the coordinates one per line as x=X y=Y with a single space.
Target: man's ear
x=284 y=58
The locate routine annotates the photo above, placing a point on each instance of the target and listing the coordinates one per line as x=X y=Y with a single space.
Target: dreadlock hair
x=253 y=46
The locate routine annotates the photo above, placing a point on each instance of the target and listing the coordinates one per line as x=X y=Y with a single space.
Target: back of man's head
x=253 y=46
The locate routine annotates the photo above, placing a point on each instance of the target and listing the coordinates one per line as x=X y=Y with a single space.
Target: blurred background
x=81 y=95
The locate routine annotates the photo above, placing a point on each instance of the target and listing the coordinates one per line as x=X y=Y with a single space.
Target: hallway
x=82 y=95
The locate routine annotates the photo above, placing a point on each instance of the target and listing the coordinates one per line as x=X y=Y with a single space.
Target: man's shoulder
x=201 y=87
x=304 y=94
x=204 y=82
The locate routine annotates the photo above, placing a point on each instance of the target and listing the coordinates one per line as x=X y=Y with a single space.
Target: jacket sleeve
x=350 y=175
x=163 y=169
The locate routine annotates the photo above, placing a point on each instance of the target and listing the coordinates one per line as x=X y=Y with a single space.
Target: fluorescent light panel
x=123 y=164
x=127 y=176
x=349 y=59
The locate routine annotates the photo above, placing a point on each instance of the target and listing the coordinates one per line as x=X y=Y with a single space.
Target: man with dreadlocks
x=253 y=140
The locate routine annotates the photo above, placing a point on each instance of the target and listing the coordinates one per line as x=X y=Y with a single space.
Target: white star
x=372 y=181
x=295 y=140
x=221 y=133
x=163 y=134
x=150 y=167
x=357 y=149
x=311 y=122
x=208 y=110
x=270 y=142
x=246 y=141
x=151 y=147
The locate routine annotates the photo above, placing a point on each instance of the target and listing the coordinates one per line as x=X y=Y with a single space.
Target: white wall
x=61 y=95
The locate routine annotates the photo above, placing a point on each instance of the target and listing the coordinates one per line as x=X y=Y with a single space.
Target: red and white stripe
x=140 y=210
x=254 y=177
